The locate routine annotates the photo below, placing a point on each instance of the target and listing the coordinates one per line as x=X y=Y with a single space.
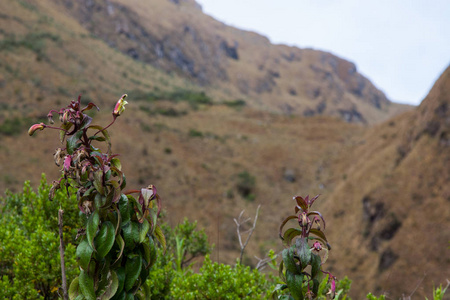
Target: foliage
x=11 y=126
x=193 y=98
x=237 y=104
x=195 y=242
x=245 y=185
x=220 y=281
x=438 y=293
x=117 y=247
x=29 y=263
x=300 y=254
x=34 y=41
x=372 y=297
x=177 y=259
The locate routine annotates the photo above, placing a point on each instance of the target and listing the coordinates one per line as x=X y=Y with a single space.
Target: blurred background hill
x=221 y=120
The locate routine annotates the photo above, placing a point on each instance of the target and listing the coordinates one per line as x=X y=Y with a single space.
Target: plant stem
x=61 y=254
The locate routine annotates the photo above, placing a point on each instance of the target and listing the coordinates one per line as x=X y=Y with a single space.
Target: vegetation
x=110 y=247
x=193 y=98
x=29 y=268
x=300 y=254
x=29 y=263
x=117 y=246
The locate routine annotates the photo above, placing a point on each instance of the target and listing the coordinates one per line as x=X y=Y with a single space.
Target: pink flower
x=36 y=127
x=67 y=162
x=317 y=246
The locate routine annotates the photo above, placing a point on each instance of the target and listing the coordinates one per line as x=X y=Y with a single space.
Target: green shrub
x=220 y=281
x=237 y=104
x=245 y=185
x=11 y=127
x=29 y=242
x=195 y=133
x=194 y=98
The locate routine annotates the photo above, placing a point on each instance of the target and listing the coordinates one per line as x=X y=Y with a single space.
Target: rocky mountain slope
x=217 y=122
x=176 y=36
x=391 y=214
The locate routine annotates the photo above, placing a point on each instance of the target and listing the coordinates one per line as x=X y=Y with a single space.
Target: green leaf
x=98 y=182
x=320 y=235
x=133 y=268
x=315 y=288
x=295 y=283
x=278 y=287
x=124 y=208
x=121 y=275
x=130 y=234
x=323 y=286
x=143 y=229
x=105 y=134
x=97 y=138
x=91 y=227
x=289 y=261
x=146 y=253
x=315 y=265
x=84 y=254
x=102 y=276
x=160 y=237
x=86 y=283
x=290 y=234
x=120 y=242
x=149 y=252
x=71 y=143
x=116 y=163
x=62 y=133
x=111 y=288
x=74 y=289
x=105 y=239
x=303 y=252
x=284 y=223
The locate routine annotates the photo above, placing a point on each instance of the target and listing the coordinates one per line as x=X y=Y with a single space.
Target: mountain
x=391 y=213
x=176 y=36
x=220 y=120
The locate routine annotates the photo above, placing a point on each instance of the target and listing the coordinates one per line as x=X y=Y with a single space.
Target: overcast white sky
x=402 y=46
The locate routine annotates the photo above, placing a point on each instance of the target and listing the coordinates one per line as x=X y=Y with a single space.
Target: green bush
x=220 y=281
x=29 y=248
x=194 y=98
x=245 y=185
x=11 y=127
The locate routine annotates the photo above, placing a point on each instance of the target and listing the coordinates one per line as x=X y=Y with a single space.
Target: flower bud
x=317 y=246
x=50 y=118
x=67 y=162
x=35 y=127
x=120 y=106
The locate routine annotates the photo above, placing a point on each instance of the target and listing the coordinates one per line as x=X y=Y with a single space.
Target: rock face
x=177 y=37
x=401 y=195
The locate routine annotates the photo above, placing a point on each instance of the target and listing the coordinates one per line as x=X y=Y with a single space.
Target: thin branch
x=239 y=223
x=61 y=254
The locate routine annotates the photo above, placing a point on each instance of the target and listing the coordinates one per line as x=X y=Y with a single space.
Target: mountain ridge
x=242 y=64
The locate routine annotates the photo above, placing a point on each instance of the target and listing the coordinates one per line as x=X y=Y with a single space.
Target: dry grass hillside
x=210 y=155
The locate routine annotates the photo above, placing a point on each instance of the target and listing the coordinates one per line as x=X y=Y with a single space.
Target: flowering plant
x=117 y=243
x=306 y=246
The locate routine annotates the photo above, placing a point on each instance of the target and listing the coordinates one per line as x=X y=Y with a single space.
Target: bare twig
x=61 y=254
x=239 y=222
x=415 y=289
